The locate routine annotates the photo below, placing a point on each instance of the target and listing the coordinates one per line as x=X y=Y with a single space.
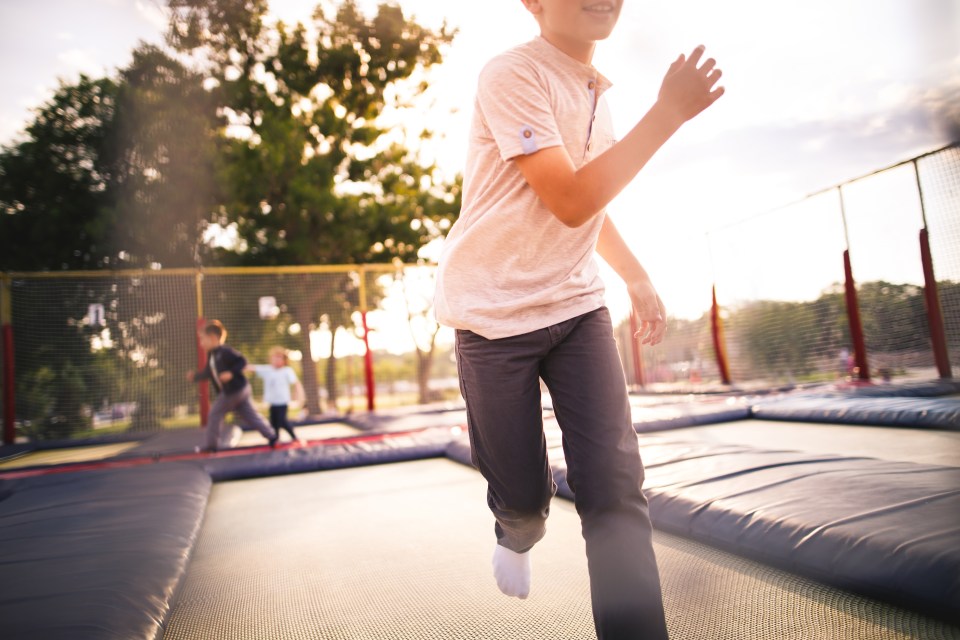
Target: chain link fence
x=97 y=353
x=830 y=288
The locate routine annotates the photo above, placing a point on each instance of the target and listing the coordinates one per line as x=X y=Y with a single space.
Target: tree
x=53 y=189
x=162 y=153
x=307 y=174
x=776 y=336
x=54 y=185
x=418 y=287
x=950 y=308
x=269 y=131
x=111 y=173
x=893 y=316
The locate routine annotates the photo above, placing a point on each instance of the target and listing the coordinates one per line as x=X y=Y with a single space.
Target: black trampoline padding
x=889 y=529
x=885 y=528
x=336 y=453
x=911 y=389
x=679 y=415
x=408 y=418
x=940 y=413
x=937 y=447
x=97 y=554
x=402 y=551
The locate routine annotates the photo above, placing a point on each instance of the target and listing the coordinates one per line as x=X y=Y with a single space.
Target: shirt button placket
x=592 y=88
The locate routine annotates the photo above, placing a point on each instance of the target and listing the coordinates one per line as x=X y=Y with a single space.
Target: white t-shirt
x=276 y=383
x=508 y=265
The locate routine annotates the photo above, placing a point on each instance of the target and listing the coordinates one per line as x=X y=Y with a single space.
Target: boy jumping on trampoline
x=225 y=368
x=278 y=377
x=519 y=283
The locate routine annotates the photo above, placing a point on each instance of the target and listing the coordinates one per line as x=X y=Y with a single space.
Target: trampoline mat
x=928 y=446
x=403 y=551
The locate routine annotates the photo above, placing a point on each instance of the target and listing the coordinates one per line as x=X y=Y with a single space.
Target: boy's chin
x=598 y=33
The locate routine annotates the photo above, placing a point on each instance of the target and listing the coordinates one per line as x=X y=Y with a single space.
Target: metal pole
x=367 y=355
x=853 y=304
x=204 y=387
x=931 y=293
x=719 y=342
x=853 y=318
x=6 y=329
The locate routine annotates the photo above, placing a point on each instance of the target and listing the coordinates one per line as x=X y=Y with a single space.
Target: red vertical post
x=9 y=408
x=638 y=375
x=9 y=386
x=719 y=342
x=853 y=318
x=203 y=387
x=938 y=334
x=368 y=363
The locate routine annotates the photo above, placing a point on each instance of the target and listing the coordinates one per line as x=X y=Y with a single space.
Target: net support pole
x=367 y=354
x=203 y=389
x=938 y=334
x=6 y=336
x=850 y=297
x=931 y=293
x=368 y=364
x=638 y=375
x=719 y=343
x=853 y=318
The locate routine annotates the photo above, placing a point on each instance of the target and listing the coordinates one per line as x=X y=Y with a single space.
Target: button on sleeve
x=528 y=140
x=516 y=108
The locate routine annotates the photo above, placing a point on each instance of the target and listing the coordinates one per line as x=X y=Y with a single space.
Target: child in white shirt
x=278 y=377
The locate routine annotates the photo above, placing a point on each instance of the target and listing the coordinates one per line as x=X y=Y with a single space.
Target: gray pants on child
x=578 y=361
x=243 y=412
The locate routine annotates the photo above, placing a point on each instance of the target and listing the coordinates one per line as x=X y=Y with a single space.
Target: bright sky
x=817 y=92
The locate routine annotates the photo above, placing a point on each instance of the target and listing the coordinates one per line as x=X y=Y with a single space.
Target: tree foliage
x=241 y=124
x=309 y=176
x=308 y=173
x=163 y=153
x=54 y=185
x=779 y=341
x=112 y=173
x=794 y=340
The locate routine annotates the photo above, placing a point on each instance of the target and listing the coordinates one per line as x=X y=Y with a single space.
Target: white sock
x=512 y=571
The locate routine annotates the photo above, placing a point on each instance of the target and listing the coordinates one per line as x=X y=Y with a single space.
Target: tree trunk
x=424 y=369
x=311 y=388
x=332 y=370
x=304 y=317
x=304 y=312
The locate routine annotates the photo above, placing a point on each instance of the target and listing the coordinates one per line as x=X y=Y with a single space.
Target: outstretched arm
x=576 y=195
x=646 y=303
x=199 y=376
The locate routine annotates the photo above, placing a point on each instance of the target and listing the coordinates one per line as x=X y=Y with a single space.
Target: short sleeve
x=261 y=369
x=238 y=363
x=515 y=106
x=291 y=375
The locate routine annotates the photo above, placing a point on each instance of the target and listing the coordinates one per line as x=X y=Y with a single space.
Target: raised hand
x=687 y=88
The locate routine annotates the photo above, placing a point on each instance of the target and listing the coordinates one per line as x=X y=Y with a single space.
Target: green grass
x=357 y=404
x=122 y=426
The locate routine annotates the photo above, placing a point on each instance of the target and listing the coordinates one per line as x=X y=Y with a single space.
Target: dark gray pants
x=578 y=361
x=243 y=412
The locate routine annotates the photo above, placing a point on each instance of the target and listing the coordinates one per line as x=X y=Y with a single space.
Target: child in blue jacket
x=225 y=369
